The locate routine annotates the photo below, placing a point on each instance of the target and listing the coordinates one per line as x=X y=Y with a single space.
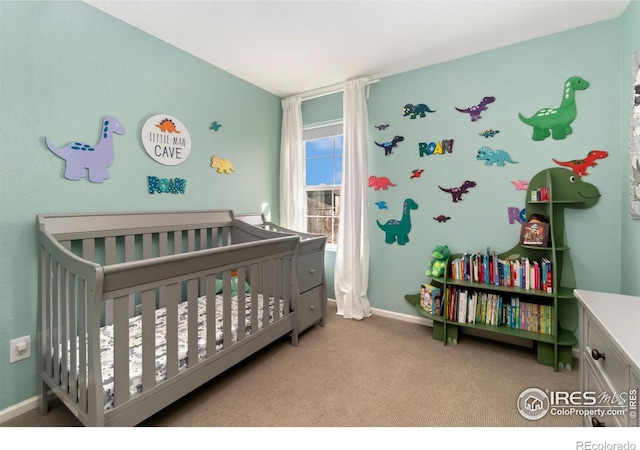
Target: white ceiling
x=293 y=47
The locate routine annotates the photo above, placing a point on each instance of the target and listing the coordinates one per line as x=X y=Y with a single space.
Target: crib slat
x=163 y=243
x=210 y=287
x=226 y=309
x=267 y=289
x=64 y=334
x=242 y=329
x=148 y=339
x=278 y=294
x=204 y=233
x=177 y=242
x=191 y=240
x=121 y=350
x=215 y=238
x=109 y=250
x=109 y=258
x=173 y=296
x=192 y=322
x=129 y=247
x=130 y=255
x=72 y=334
x=55 y=325
x=255 y=275
x=288 y=282
x=82 y=356
x=89 y=249
x=47 y=315
x=147 y=247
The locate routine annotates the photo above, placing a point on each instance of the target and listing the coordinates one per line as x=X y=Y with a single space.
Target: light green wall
x=66 y=65
x=523 y=78
x=630 y=247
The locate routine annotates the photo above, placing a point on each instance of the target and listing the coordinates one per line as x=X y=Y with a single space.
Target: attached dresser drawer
x=310 y=307
x=609 y=355
x=605 y=356
x=310 y=270
x=592 y=383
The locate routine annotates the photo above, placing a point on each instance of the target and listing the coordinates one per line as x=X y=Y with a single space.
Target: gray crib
x=137 y=309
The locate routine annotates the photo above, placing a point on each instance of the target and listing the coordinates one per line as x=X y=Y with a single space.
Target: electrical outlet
x=19 y=349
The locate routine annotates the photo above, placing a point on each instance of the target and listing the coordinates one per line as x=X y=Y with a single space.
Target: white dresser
x=610 y=356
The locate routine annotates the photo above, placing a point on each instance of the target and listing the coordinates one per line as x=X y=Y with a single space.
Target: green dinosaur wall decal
x=556 y=122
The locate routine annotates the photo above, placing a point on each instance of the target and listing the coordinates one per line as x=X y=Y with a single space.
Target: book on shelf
x=489 y=269
x=438 y=304
x=428 y=293
x=540 y=195
x=534 y=234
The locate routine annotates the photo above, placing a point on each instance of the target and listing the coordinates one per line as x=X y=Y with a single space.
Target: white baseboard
x=397 y=316
x=19 y=409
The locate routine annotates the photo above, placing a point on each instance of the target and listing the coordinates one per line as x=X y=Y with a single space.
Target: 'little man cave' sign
x=166 y=139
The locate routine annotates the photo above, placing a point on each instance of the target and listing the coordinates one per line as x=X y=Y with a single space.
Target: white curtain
x=352 y=258
x=293 y=207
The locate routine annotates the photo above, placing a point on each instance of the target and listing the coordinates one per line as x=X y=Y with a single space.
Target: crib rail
x=89 y=279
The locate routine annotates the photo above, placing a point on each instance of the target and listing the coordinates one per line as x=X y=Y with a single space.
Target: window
x=323 y=176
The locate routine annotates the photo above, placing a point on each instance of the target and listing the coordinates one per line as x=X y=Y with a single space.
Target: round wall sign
x=166 y=139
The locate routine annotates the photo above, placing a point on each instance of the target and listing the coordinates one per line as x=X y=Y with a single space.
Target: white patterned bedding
x=135 y=341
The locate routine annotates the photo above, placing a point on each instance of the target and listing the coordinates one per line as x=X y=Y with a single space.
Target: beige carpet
x=378 y=372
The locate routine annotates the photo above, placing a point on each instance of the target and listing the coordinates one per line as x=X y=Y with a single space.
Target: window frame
x=314 y=132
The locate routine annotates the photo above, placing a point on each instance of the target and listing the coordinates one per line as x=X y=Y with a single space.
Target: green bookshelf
x=564 y=190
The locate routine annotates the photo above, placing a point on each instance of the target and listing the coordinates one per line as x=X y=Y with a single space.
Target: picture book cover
x=428 y=294
x=534 y=234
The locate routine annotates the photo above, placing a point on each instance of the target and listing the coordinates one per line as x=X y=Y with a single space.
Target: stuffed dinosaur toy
x=440 y=256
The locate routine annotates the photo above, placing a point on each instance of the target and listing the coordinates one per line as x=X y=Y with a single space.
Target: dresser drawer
x=311 y=307
x=310 y=270
x=612 y=365
x=592 y=383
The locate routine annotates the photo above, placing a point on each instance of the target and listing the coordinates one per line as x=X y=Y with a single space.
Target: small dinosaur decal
x=475 y=111
x=442 y=218
x=521 y=185
x=223 y=165
x=398 y=230
x=489 y=133
x=389 y=146
x=414 y=111
x=215 y=126
x=382 y=204
x=579 y=166
x=378 y=183
x=416 y=173
x=494 y=156
x=456 y=192
x=382 y=126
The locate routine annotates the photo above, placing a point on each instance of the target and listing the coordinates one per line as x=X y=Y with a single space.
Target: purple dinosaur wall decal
x=84 y=160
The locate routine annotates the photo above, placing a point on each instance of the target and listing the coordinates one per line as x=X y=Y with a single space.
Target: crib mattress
x=135 y=341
